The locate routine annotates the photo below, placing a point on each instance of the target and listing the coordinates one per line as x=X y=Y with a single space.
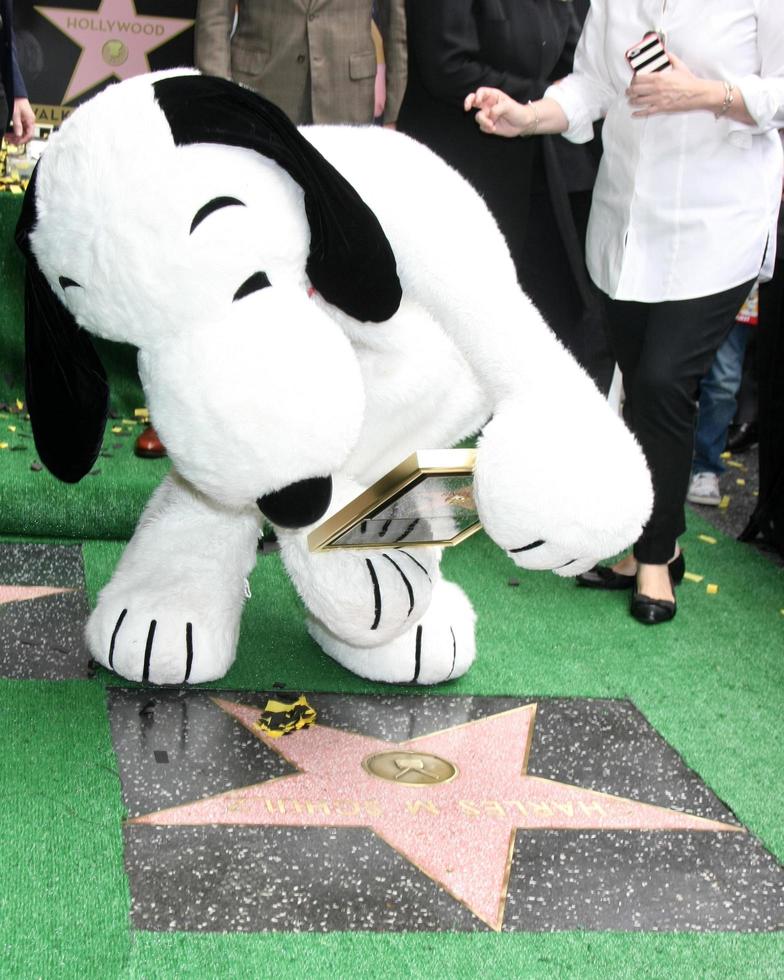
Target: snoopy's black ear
x=65 y=383
x=351 y=262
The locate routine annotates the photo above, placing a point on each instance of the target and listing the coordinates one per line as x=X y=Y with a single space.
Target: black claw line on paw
x=417 y=655
x=114 y=637
x=188 y=651
x=148 y=651
x=527 y=547
x=566 y=564
x=454 y=653
x=376 y=593
x=419 y=564
x=405 y=582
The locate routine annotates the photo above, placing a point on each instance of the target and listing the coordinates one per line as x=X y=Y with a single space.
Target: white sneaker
x=704 y=489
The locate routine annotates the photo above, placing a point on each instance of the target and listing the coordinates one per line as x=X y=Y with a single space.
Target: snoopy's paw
x=567 y=502
x=440 y=647
x=365 y=597
x=147 y=638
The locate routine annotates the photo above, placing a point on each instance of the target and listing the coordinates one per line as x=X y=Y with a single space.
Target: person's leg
x=718 y=401
x=681 y=340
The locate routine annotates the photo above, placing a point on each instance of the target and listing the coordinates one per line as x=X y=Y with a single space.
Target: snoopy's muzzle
x=298 y=504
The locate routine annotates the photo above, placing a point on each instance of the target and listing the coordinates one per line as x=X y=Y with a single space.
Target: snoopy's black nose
x=298 y=504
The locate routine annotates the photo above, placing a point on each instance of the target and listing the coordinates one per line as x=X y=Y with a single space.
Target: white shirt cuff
x=764 y=104
x=580 y=122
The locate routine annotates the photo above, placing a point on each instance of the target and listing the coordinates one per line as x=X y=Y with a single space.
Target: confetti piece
x=12 y=428
x=117 y=429
x=755 y=493
x=19 y=404
x=706 y=538
x=736 y=464
x=279 y=718
x=724 y=503
x=513 y=582
x=741 y=483
x=727 y=455
x=712 y=588
x=129 y=422
x=692 y=577
x=141 y=413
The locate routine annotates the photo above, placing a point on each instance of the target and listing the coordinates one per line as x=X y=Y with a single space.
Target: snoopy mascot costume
x=309 y=306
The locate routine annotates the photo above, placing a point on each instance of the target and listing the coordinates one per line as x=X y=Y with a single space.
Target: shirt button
x=300 y=58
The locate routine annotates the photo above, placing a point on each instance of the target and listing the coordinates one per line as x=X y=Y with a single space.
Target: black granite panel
x=42 y=638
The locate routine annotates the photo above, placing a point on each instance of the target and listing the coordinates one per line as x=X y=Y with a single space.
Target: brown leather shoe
x=148 y=445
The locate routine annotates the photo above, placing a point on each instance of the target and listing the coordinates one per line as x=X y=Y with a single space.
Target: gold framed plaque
x=426 y=500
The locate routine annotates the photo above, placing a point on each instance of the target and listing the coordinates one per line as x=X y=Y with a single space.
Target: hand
x=380 y=91
x=500 y=114
x=22 y=123
x=674 y=90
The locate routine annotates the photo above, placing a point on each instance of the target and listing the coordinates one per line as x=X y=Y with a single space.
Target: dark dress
x=11 y=84
x=519 y=46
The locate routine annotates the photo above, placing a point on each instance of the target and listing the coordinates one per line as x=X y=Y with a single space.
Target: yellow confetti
x=755 y=493
x=706 y=538
x=691 y=577
x=712 y=589
x=727 y=455
x=741 y=483
x=3 y=445
x=19 y=404
x=141 y=413
x=16 y=190
x=736 y=464
x=12 y=428
x=117 y=429
x=129 y=422
x=724 y=503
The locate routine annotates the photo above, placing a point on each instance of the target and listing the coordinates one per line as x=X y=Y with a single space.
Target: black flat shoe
x=603 y=577
x=651 y=612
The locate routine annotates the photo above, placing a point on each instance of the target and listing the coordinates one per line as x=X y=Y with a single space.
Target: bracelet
x=536 y=118
x=729 y=96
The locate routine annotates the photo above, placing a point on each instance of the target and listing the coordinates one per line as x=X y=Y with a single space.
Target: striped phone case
x=648 y=55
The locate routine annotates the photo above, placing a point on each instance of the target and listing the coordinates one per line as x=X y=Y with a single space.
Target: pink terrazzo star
x=460 y=833
x=22 y=593
x=114 y=39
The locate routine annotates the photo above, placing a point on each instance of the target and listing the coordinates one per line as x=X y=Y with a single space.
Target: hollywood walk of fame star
x=114 y=39
x=23 y=593
x=450 y=802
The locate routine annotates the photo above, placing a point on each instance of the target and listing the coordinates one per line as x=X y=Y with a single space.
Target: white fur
x=278 y=387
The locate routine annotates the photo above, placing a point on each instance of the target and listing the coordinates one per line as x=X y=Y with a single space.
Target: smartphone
x=648 y=55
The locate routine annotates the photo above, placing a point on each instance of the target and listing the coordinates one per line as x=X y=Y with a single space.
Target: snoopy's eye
x=259 y=280
x=214 y=205
x=65 y=282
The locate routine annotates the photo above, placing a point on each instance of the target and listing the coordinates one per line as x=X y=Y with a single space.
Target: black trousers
x=664 y=350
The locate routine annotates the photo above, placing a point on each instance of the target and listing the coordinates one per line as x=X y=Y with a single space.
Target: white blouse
x=685 y=204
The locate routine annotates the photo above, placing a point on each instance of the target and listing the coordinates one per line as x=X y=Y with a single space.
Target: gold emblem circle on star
x=114 y=53
x=410 y=768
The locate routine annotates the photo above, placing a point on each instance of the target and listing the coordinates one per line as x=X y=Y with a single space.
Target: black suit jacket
x=10 y=75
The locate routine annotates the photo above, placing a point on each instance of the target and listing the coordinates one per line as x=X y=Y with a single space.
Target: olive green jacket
x=313 y=58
